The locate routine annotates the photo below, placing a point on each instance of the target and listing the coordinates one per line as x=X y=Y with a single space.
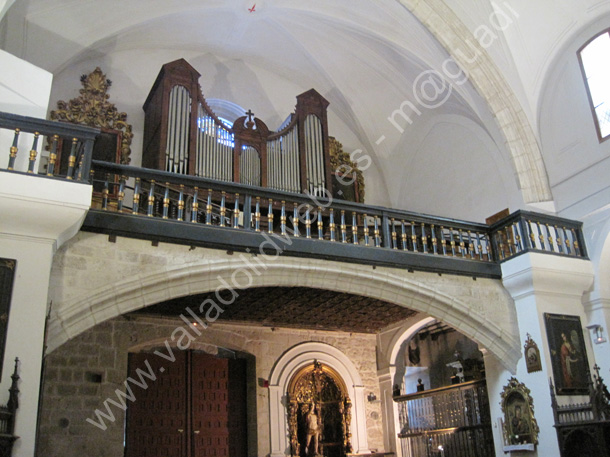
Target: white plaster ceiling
x=364 y=56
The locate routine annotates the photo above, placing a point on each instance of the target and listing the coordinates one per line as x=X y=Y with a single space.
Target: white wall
x=26 y=331
x=454 y=169
x=24 y=90
x=540 y=284
x=38 y=214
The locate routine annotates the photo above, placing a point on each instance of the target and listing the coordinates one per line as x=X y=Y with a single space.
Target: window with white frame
x=594 y=58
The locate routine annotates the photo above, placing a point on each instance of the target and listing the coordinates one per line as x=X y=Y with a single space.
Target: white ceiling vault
x=366 y=57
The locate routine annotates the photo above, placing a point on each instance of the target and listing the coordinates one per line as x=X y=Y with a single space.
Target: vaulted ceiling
x=292 y=307
x=368 y=58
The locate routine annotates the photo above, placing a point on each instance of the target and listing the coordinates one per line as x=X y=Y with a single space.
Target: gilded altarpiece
x=319 y=413
x=92 y=108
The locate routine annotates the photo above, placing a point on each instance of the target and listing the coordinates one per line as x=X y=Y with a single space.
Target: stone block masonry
x=86 y=370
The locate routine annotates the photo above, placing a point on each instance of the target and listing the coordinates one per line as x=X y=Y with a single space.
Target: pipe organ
x=183 y=135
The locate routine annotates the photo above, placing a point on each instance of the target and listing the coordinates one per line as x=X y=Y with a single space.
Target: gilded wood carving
x=532 y=355
x=344 y=168
x=92 y=108
x=319 y=412
x=519 y=425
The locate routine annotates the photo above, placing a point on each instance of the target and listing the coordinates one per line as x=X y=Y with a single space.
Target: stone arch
x=406 y=335
x=113 y=299
x=521 y=141
x=282 y=373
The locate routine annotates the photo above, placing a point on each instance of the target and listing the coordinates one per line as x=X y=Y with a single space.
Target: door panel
x=237 y=408
x=210 y=391
x=209 y=380
x=157 y=415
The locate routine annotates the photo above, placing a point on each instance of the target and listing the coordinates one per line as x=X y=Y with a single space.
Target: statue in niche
x=314 y=431
x=319 y=413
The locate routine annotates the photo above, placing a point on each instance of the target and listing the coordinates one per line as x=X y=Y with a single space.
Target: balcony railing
x=452 y=421
x=525 y=231
x=162 y=206
x=31 y=136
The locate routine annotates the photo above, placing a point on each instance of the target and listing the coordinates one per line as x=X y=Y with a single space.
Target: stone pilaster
x=540 y=283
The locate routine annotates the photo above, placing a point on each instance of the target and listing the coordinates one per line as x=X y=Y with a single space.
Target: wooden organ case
x=183 y=135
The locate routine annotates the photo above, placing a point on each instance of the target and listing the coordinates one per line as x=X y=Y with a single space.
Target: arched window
x=594 y=59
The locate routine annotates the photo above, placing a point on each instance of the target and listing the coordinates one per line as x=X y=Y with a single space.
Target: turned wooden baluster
x=166 y=202
x=13 y=151
x=180 y=215
x=320 y=224
x=33 y=153
x=151 y=199
x=236 y=212
x=72 y=159
x=52 y=156
x=270 y=217
x=195 y=206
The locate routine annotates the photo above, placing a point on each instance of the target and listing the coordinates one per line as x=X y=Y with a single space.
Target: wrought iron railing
x=133 y=201
x=452 y=421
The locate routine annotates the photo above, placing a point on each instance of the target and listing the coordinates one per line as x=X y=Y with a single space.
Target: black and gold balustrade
x=183 y=209
x=237 y=217
x=452 y=421
x=30 y=136
x=525 y=231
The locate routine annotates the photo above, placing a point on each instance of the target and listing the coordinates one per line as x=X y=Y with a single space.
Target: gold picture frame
x=520 y=428
x=532 y=355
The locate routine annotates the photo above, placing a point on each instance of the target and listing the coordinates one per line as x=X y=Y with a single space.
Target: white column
x=391 y=423
x=38 y=215
x=359 y=435
x=539 y=283
x=277 y=419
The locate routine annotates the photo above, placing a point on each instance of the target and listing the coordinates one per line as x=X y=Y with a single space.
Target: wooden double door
x=196 y=406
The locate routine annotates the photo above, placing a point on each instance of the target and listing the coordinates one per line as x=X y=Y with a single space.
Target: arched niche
x=319 y=412
x=290 y=364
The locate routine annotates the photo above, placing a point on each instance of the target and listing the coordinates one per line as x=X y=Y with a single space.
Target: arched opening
x=290 y=382
x=319 y=413
x=439 y=399
x=494 y=327
x=437 y=356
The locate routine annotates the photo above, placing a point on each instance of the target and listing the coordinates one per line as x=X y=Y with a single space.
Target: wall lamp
x=598 y=333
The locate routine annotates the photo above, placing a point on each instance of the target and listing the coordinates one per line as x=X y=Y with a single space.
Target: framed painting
x=7 y=275
x=532 y=355
x=568 y=354
x=519 y=426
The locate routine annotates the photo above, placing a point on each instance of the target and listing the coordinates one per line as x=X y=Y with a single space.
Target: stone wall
x=86 y=370
x=93 y=280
